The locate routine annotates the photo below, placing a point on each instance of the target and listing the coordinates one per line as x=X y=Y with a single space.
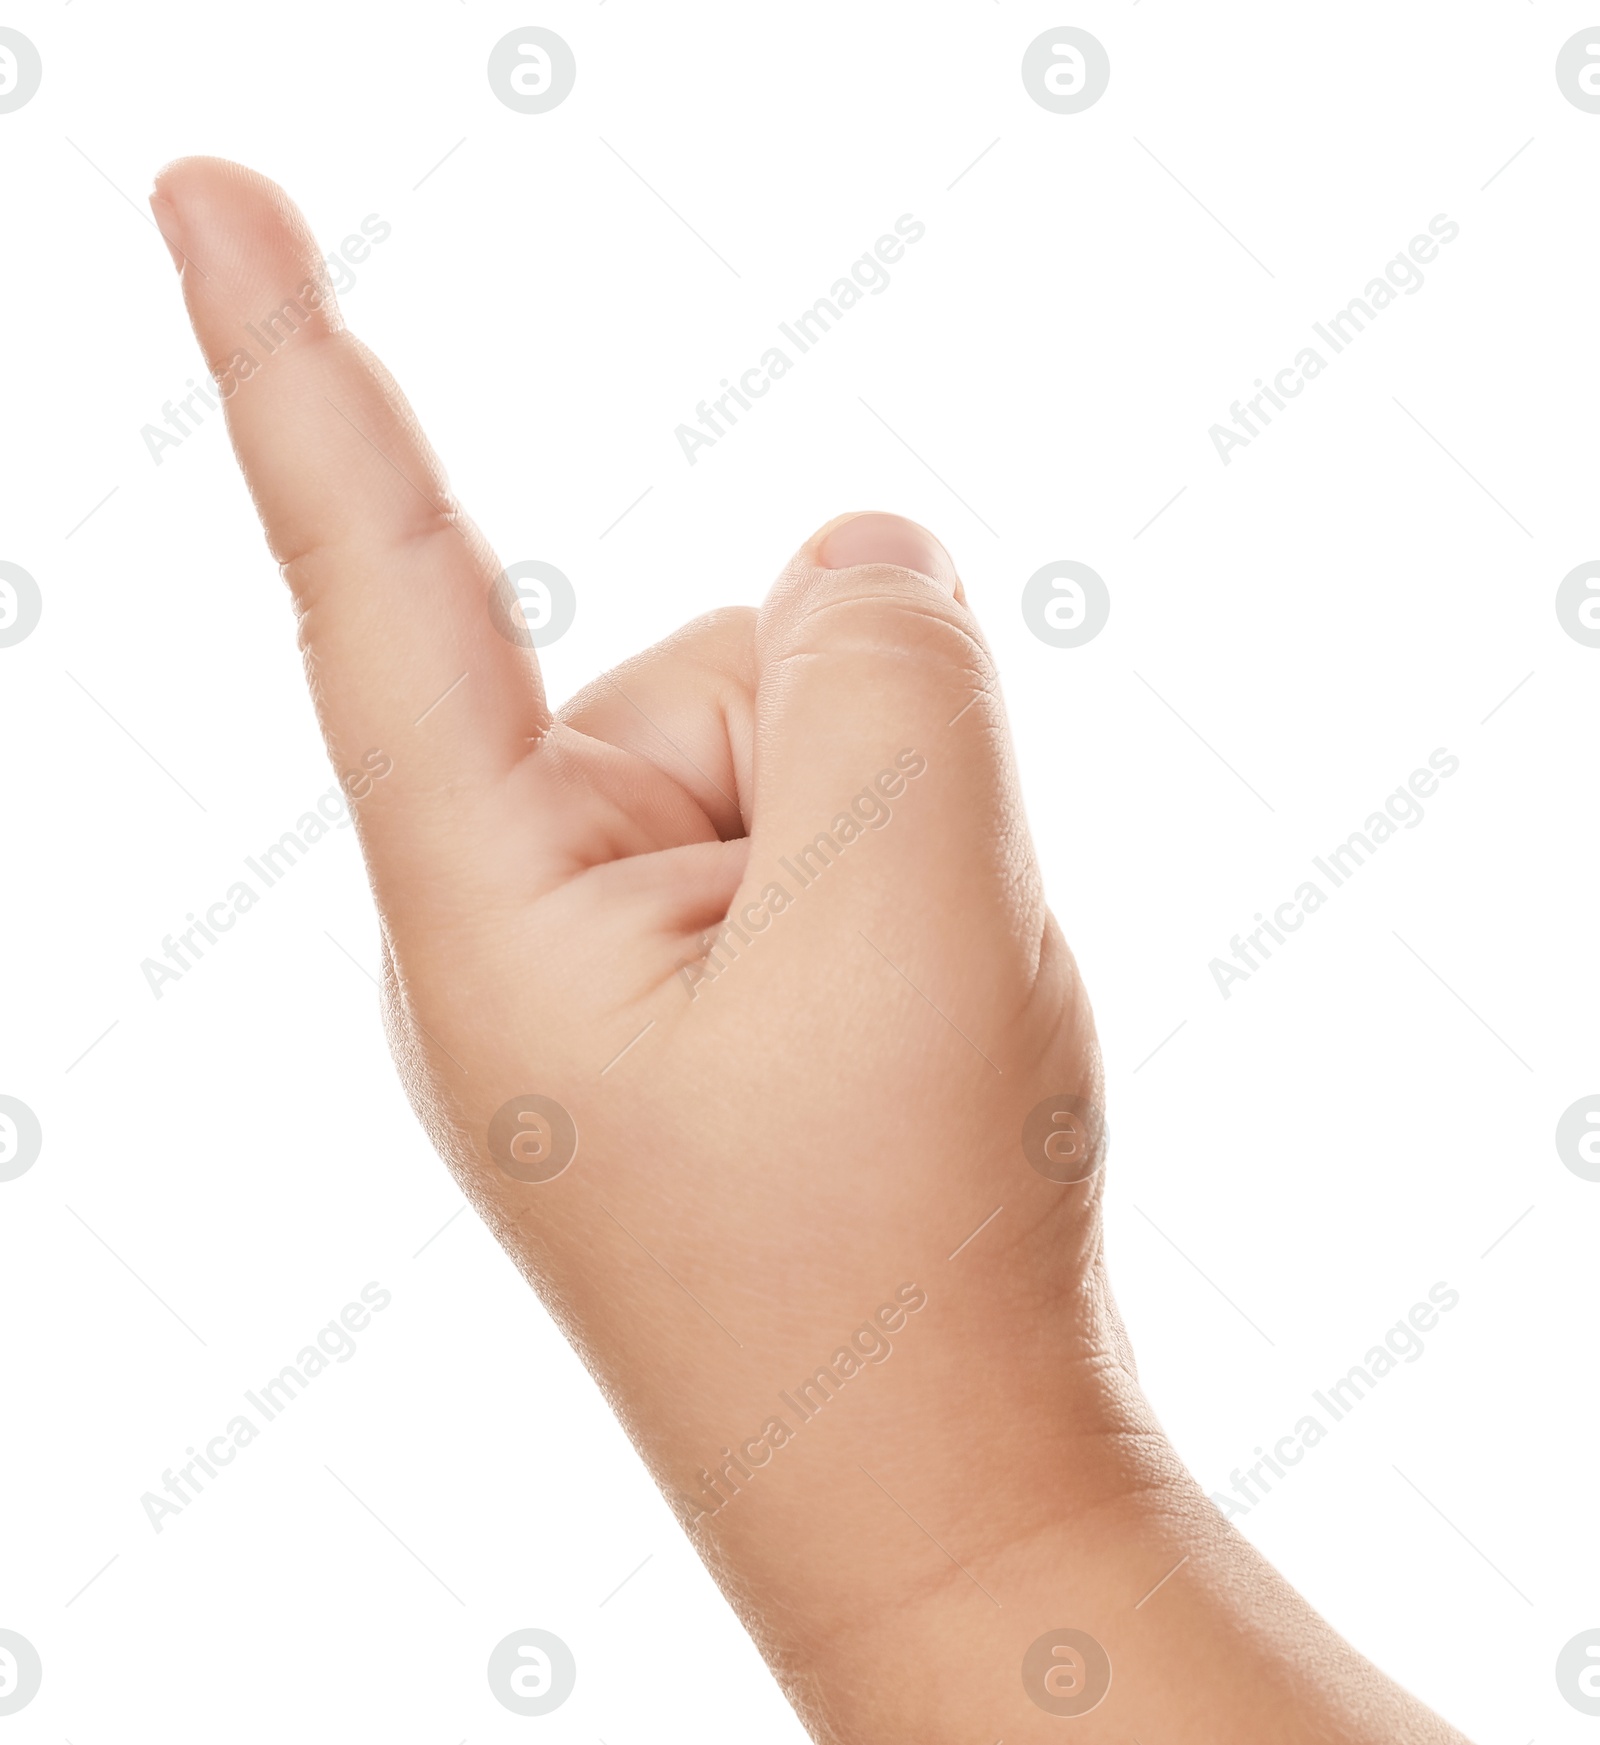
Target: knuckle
x=886 y=612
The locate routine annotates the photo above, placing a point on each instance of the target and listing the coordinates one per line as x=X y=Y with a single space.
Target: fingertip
x=246 y=240
x=194 y=196
x=180 y=172
x=196 y=183
x=875 y=537
x=171 y=202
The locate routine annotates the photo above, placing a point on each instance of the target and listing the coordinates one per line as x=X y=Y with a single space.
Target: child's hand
x=755 y=923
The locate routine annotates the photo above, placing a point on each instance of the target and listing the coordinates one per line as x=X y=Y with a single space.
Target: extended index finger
x=391 y=581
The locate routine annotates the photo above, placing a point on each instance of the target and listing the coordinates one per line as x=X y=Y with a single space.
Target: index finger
x=391 y=581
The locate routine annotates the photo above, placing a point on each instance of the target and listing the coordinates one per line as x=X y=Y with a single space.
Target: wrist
x=925 y=1556
x=903 y=1535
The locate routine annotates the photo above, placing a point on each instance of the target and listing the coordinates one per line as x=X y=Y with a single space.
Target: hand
x=755 y=923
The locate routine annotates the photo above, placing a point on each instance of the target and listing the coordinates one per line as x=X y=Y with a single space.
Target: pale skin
x=794 y=1139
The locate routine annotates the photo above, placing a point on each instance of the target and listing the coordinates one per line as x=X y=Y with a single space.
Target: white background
x=1325 y=611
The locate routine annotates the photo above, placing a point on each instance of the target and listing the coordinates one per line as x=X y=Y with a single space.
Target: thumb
x=883 y=766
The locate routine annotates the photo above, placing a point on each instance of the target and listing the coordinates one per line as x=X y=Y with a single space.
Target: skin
x=813 y=1120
